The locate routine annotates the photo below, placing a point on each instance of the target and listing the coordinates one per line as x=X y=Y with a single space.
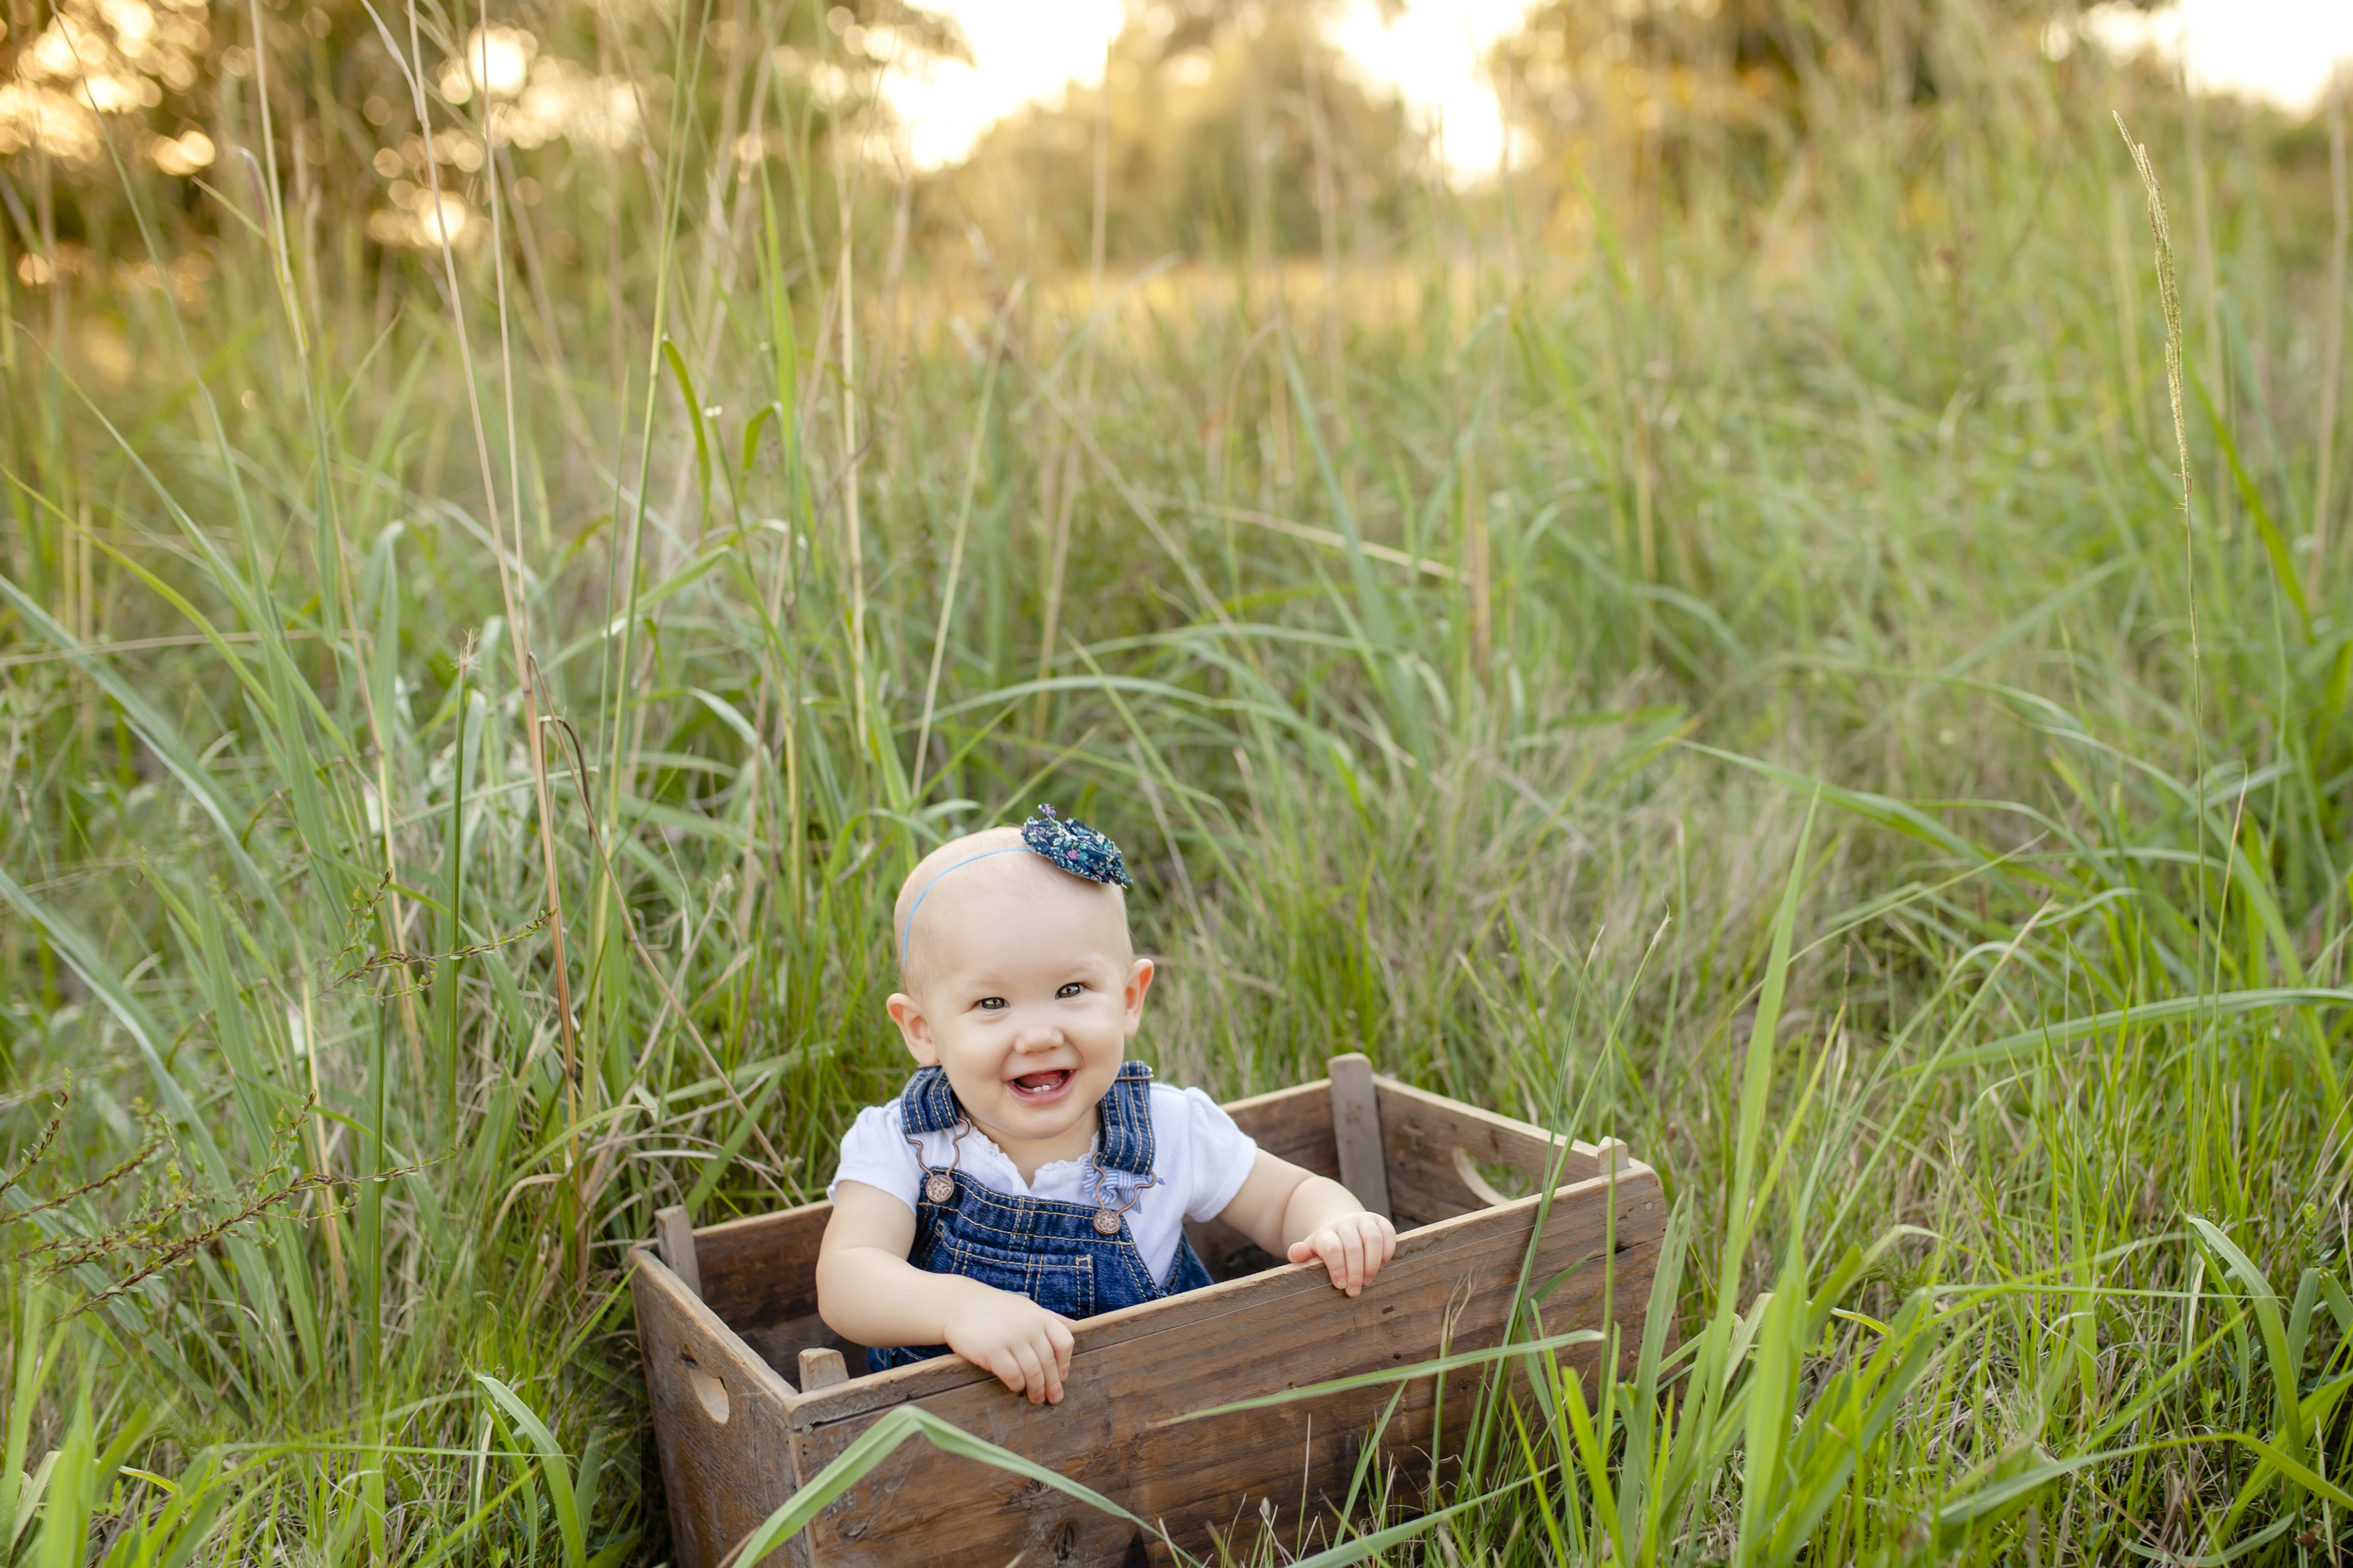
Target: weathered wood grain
x=1420 y=1132
x=1357 y=1131
x=720 y=1421
x=822 y=1368
x=782 y=1342
x=674 y=1239
x=1486 y=1191
x=1294 y=1124
x=1135 y=1369
x=1226 y=1252
x=762 y=1269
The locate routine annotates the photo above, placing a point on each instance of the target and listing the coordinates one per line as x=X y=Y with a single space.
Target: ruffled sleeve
x=1217 y=1154
x=874 y=1152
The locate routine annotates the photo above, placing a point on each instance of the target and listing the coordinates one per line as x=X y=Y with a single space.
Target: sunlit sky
x=1027 y=50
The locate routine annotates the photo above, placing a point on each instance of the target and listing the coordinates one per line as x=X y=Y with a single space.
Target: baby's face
x=1025 y=989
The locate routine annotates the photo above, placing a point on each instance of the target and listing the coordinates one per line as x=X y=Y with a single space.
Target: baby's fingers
x=1007 y=1366
x=1033 y=1375
x=1378 y=1240
x=1348 y=1270
x=1053 y=1367
x=1059 y=1338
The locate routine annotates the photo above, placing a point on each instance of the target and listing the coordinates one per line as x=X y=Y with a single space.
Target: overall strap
x=1125 y=1117
x=927 y=1104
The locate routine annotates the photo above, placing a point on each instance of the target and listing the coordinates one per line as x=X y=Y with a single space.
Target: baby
x=1029 y=1174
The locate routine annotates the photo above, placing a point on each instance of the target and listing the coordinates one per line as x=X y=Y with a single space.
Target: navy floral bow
x=1075 y=847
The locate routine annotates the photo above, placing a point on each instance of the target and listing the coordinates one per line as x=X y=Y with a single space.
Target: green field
x=1802 y=638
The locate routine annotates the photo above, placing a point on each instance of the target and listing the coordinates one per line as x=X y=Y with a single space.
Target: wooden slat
x=1136 y=1368
x=674 y=1239
x=1226 y=1252
x=763 y=1270
x=823 y=1367
x=722 y=1479
x=781 y=1343
x=1294 y=1124
x=1357 y=1131
x=1479 y=1187
x=1420 y=1132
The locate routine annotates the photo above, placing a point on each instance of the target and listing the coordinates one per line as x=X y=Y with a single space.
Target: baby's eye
x=991 y=1004
x=1070 y=989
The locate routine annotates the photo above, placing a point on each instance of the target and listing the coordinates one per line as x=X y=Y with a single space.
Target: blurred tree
x=1229 y=128
x=175 y=86
x=1560 y=59
x=1657 y=90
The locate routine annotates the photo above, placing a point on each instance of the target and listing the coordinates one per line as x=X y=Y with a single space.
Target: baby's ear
x=1139 y=981
x=913 y=1028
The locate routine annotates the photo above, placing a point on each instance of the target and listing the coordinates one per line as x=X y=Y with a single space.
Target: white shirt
x=1200 y=1156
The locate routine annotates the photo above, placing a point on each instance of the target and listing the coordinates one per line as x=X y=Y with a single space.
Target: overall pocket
x=1064 y=1285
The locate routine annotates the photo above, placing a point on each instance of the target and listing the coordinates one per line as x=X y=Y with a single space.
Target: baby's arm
x=1297 y=1215
x=868 y=1292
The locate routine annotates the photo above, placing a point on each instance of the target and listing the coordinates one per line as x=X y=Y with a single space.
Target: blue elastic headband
x=908 y=929
x=1071 y=847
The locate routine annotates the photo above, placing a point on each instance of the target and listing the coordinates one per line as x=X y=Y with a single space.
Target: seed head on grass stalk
x=2169 y=299
x=412 y=68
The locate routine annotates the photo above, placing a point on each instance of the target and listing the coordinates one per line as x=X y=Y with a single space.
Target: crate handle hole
x=708 y=1391
x=1467 y=1171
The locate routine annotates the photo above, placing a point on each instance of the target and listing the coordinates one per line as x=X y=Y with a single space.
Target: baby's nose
x=1037 y=1033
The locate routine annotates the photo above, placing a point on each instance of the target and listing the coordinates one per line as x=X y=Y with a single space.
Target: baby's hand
x=1027 y=1347
x=1354 y=1247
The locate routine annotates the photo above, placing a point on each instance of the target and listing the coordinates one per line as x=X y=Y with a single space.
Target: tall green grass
x=1731 y=666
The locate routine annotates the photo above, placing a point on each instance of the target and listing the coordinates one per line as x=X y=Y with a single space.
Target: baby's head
x=1019 y=979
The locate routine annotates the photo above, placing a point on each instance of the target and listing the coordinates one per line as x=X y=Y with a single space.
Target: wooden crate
x=752 y=1393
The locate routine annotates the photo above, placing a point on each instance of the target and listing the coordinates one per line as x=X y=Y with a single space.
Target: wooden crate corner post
x=674 y=1240
x=822 y=1366
x=1356 y=1128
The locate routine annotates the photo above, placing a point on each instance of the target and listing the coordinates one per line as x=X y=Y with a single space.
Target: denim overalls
x=1058 y=1254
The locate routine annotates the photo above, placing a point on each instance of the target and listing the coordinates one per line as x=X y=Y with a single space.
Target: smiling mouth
x=1042 y=1086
